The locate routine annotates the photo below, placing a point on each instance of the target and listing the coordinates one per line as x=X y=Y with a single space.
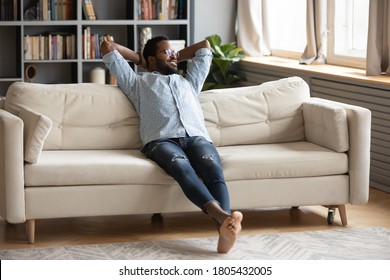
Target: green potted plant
x=221 y=74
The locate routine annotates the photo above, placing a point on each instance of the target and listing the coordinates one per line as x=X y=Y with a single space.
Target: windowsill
x=353 y=74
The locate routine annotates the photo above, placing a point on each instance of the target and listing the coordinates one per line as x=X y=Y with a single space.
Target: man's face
x=166 y=60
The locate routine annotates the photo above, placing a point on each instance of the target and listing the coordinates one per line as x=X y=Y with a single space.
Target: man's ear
x=151 y=60
x=151 y=65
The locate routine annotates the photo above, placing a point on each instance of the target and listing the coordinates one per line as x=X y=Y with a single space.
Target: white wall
x=210 y=17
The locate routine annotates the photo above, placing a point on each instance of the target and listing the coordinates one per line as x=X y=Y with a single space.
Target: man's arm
x=127 y=54
x=117 y=64
x=189 y=52
x=198 y=69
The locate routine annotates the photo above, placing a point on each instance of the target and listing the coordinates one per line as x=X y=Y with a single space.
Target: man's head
x=160 y=56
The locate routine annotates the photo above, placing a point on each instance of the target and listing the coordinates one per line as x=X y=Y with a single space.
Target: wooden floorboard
x=133 y=228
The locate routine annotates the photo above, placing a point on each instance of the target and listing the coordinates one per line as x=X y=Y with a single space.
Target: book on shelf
x=47 y=10
x=161 y=9
x=8 y=10
x=61 y=9
x=86 y=34
x=91 y=43
x=89 y=10
x=44 y=9
x=50 y=46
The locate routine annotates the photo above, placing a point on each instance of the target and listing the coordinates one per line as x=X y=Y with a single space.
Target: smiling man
x=172 y=126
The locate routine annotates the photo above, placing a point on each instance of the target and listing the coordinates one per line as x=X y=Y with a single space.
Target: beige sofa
x=72 y=150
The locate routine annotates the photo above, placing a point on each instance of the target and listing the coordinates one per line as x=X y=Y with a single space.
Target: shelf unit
x=118 y=18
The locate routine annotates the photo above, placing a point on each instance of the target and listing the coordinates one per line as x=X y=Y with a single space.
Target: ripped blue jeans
x=195 y=164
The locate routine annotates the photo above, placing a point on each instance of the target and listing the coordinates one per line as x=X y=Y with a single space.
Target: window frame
x=283 y=53
x=286 y=54
x=331 y=57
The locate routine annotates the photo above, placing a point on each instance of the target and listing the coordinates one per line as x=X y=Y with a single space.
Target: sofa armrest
x=12 y=200
x=359 y=138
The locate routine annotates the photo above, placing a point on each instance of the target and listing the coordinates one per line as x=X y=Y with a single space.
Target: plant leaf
x=214 y=40
x=226 y=49
x=218 y=52
x=236 y=52
x=223 y=65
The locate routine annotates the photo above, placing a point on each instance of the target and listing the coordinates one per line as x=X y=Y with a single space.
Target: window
x=287 y=27
x=347 y=30
x=348 y=26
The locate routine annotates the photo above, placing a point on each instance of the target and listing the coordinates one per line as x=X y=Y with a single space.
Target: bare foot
x=228 y=232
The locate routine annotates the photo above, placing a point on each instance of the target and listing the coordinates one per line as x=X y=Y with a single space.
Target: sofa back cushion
x=267 y=113
x=95 y=116
x=84 y=116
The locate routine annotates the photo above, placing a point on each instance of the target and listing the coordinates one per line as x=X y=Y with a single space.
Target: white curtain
x=316 y=32
x=252 y=33
x=378 y=43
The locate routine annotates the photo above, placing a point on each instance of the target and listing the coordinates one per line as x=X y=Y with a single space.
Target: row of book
x=91 y=43
x=51 y=10
x=51 y=46
x=47 y=10
x=8 y=10
x=55 y=46
x=161 y=9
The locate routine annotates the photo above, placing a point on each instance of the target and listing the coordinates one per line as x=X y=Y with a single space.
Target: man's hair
x=151 y=46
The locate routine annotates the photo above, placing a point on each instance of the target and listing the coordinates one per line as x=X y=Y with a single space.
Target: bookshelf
x=24 y=22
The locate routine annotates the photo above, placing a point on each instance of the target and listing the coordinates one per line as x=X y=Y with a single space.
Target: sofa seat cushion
x=249 y=162
x=94 y=167
x=284 y=160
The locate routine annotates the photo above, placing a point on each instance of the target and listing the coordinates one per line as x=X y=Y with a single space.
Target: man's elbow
x=206 y=44
x=106 y=47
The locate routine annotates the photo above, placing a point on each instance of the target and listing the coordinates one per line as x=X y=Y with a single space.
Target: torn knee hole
x=178 y=157
x=208 y=157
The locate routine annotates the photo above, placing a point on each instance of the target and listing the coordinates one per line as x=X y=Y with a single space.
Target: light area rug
x=336 y=244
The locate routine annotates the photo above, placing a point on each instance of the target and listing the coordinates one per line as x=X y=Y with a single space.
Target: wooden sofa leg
x=30 y=226
x=343 y=214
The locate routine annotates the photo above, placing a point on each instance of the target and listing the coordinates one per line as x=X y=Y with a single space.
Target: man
x=172 y=123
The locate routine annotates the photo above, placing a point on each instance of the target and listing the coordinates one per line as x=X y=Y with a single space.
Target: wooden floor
x=77 y=231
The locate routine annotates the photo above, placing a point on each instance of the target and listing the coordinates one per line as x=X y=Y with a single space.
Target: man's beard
x=164 y=68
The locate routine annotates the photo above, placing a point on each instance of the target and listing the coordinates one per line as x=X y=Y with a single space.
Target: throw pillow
x=36 y=129
x=326 y=125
